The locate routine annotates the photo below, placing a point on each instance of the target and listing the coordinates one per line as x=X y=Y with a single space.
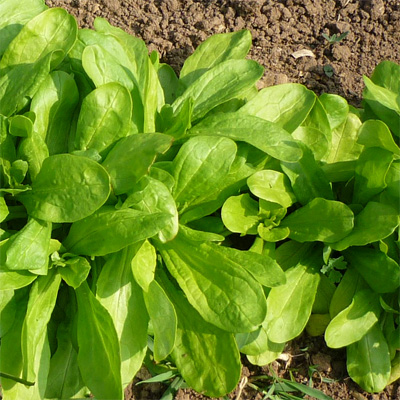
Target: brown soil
x=280 y=28
x=304 y=359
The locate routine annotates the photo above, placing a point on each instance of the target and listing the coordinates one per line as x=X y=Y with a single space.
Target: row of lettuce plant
x=194 y=217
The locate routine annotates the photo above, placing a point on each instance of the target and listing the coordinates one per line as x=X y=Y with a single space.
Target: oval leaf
x=351 y=324
x=62 y=184
x=322 y=220
x=110 y=230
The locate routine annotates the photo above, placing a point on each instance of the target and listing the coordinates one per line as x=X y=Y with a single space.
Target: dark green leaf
x=264 y=135
x=131 y=158
x=62 y=183
x=214 y=284
x=207 y=357
x=110 y=230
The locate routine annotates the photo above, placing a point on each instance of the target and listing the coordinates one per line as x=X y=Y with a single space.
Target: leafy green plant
x=194 y=210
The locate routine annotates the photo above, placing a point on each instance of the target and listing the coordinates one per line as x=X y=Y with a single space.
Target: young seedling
x=335 y=38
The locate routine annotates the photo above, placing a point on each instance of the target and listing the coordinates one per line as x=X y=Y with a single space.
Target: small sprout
x=328 y=70
x=335 y=38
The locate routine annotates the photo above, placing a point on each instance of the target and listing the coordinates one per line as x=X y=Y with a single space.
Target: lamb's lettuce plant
x=188 y=218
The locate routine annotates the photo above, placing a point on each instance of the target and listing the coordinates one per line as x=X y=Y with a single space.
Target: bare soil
x=280 y=28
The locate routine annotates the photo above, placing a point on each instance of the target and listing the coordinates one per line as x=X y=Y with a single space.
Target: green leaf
x=8 y=308
x=14 y=15
x=132 y=54
x=352 y=323
x=264 y=269
x=380 y=271
x=317 y=324
x=216 y=49
x=219 y=84
x=18 y=171
x=20 y=82
x=151 y=195
x=131 y=158
x=28 y=248
x=216 y=293
x=34 y=150
x=286 y=105
x=144 y=265
x=201 y=164
x=387 y=75
x=240 y=214
x=42 y=299
x=100 y=369
x=104 y=118
x=289 y=306
x=4 y=212
x=375 y=133
x=344 y=145
x=207 y=357
x=318 y=119
x=102 y=65
x=320 y=220
x=12 y=280
x=272 y=352
x=351 y=283
x=175 y=124
x=11 y=361
x=264 y=135
x=393 y=179
x=163 y=377
x=395 y=370
x=213 y=199
x=336 y=108
x=375 y=222
x=63 y=182
x=20 y=126
x=122 y=297
x=75 y=271
x=33 y=42
x=272 y=186
x=307 y=178
x=384 y=103
x=169 y=83
x=110 y=230
x=272 y=234
x=370 y=173
x=163 y=318
x=65 y=380
x=54 y=104
x=368 y=361
x=314 y=139
x=325 y=292
x=290 y=253
x=260 y=350
x=314 y=393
